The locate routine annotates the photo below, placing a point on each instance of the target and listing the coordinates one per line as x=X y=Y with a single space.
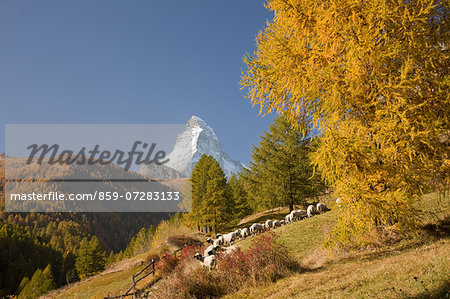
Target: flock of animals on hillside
x=223 y=242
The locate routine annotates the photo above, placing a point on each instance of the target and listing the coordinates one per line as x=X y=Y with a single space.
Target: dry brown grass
x=271 y=212
x=167 y=229
x=316 y=259
x=420 y=272
x=182 y=240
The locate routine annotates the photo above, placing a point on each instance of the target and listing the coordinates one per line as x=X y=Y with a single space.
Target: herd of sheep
x=223 y=243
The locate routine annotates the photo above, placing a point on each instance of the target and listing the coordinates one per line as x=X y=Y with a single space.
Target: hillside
x=59 y=234
x=115 y=229
x=408 y=268
x=115 y=280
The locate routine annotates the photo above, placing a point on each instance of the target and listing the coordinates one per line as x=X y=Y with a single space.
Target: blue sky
x=131 y=62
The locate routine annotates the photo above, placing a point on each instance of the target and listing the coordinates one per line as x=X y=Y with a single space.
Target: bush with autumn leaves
x=266 y=260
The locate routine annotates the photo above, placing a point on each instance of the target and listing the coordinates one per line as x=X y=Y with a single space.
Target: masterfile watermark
x=93 y=168
x=105 y=157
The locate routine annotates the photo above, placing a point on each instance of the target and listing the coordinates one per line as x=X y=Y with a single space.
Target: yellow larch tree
x=371 y=78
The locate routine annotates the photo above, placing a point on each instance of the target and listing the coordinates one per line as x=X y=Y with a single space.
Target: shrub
x=204 y=284
x=173 y=286
x=152 y=256
x=167 y=264
x=269 y=259
x=265 y=261
x=196 y=283
x=188 y=252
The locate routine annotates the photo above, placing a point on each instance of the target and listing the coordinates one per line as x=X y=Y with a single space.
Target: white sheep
x=276 y=223
x=206 y=261
x=311 y=211
x=287 y=218
x=218 y=241
x=291 y=217
x=268 y=224
x=211 y=250
x=282 y=222
x=229 y=238
x=244 y=233
x=229 y=249
x=298 y=214
x=260 y=227
x=256 y=228
x=321 y=207
x=208 y=250
x=237 y=233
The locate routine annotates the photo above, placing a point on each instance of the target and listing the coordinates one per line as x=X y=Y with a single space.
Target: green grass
x=101 y=286
x=411 y=268
x=109 y=283
x=303 y=236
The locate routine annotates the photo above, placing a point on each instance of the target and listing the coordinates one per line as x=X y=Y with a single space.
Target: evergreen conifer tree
x=217 y=205
x=280 y=172
x=211 y=198
x=240 y=197
x=91 y=258
x=40 y=283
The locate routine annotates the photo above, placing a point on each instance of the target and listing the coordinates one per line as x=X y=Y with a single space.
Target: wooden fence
x=135 y=278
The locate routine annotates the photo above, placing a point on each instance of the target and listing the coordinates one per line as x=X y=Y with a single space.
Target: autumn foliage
x=266 y=260
x=371 y=79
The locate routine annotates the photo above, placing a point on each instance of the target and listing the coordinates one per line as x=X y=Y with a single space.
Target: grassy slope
x=385 y=272
x=418 y=268
x=303 y=236
x=420 y=272
x=114 y=281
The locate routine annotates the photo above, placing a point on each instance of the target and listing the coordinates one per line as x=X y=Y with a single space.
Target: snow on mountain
x=197 y=139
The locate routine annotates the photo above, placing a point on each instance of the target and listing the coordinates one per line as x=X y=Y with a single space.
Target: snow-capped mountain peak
x=197 y=139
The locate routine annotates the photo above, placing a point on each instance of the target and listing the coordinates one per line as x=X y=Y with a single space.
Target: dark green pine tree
x=41 y=282
x=198 y=185
x=280 y=172
x=211 y=199
x=91 y=258
x=241 y=207
x=218 y=203
x=83 y=259
x=98 y=255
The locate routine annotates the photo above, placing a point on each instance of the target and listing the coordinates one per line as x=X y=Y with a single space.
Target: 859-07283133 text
x=97 y=195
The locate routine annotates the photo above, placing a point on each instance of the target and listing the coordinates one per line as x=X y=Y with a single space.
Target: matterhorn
x=197 y=139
